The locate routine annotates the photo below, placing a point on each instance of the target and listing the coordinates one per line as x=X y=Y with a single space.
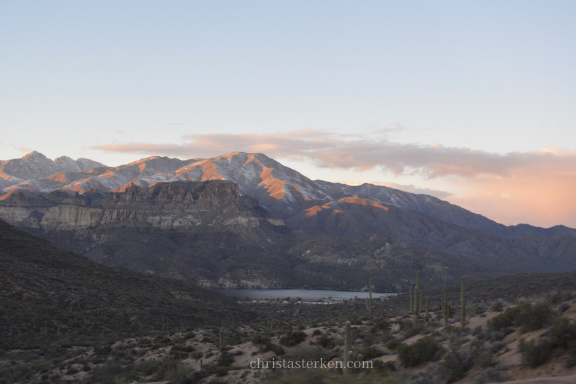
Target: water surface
x=304 y=294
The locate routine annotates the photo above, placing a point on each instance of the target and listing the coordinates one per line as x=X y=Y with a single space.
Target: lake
x=304 y=294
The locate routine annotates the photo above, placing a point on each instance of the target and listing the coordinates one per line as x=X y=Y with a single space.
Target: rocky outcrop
x=72 y=216
x=174 y=206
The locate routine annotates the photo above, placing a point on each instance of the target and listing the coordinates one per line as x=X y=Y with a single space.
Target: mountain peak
x=34 y=155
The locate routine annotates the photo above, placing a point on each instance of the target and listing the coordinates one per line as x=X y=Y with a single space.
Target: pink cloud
x=534 y=187
x=361 y=153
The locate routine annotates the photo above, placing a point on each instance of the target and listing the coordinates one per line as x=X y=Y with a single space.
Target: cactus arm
x=463 y=303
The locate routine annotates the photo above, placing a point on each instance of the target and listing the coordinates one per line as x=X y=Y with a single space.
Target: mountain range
x=247 y=220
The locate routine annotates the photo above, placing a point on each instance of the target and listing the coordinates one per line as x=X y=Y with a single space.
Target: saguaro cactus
x=427 y=310
x=445 y=308
x=369 y=302
x=269 y=325
x=416 y=300
x=347 y=346
x=463 y=303
x=223 y=340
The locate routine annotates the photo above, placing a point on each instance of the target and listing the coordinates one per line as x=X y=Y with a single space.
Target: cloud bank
x=518 y=187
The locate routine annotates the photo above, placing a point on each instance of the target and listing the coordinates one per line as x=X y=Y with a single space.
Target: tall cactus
x=347 y=347
x=223 y=340
x=411 y=300
x=463 y=303
x=445 y=308
x=350 y=356
x=369 y=302
x=427 y=311
x=416 y=300
x=269 y=325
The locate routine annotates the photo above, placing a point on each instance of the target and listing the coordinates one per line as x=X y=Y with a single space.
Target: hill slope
x=46 y=290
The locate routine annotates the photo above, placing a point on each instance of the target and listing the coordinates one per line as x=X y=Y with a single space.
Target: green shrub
x=498 y=306
x=371 y=353
x=326 y=342
x=221 y=371
x=525 y=315
x=490 y=375
x=393 y=345
x=456 y=363
x=381 y=366
x=423 y=350
x=225 y=359
x=535 y=354
x=533 y=317
x=293 y=338
x=179 y=374
x=563 y=332
x=260 y=339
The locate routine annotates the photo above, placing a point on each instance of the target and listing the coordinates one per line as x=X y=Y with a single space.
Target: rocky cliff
x=208 y=233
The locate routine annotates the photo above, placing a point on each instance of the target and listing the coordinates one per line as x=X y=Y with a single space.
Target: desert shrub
x=496 y=346
x=316 y=332
x=326 y=342
x=355 y=321
x=529 y=317
x=225 y=359
x=269 y=346
x=260 y=339
x=423 y=350
x=381 y=366
x=277 y=349
x=562 y=308
x=456 y=363
x=179 y=374
x=371 y=353
x=533 y=317
x=484 y=359
x=221 y=371
x=535 y=354
x=106 y=372
x=490 y=375
x=563 y=332
x=293 y=338
x=382 y=325
x=432 y=375
x=393 y=345
x=103 y=350
x=497 y=306
x=555 y=297
x=479 y=310
x=309 y=353
x=492 y=335
x=408 y=329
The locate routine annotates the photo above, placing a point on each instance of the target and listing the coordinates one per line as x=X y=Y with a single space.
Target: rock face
x=208 y=233
x=163 y=205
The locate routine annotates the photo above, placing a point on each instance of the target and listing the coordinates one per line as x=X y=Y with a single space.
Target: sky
x=472 y=101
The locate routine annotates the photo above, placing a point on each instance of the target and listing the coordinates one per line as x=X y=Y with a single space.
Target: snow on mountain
x=278 y=188
x=36 y=166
